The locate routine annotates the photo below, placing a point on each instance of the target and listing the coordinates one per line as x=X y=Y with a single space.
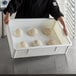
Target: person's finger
x=65 y=31
x=6 y=21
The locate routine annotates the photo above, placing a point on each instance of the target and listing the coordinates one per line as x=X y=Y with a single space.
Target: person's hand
x=65 y=31
x=7 y=18
x=62 y=21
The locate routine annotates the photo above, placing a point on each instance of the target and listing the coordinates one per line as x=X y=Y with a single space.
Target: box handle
x=27 y=51
x=55 y=48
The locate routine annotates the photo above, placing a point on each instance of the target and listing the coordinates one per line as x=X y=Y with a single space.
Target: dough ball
x=23 y=44
x=51 y=42
x=37 y=43
x=33 y=32
x=47 y=30
x=18 y=32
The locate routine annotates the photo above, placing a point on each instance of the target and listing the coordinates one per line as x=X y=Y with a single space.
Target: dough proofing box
x=44 y=50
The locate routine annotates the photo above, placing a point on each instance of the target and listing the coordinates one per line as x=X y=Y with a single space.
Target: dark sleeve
x=54 y=9
x=12 y=6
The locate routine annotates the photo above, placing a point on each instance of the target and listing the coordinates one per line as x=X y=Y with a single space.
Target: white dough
x=23 y=44
x=18 y=32
x=37 y=43
x=47 y=30
x=33 y=32
x=51 y=42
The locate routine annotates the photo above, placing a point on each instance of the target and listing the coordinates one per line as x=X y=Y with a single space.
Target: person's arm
x=12 y=6
x=10 y=9
x=54 y=10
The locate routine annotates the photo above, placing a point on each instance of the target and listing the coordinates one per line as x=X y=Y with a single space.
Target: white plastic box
x=43 y=50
